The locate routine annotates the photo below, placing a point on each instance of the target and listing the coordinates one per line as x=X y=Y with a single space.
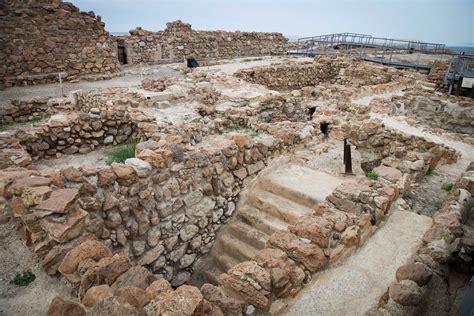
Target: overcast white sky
x=444 y=21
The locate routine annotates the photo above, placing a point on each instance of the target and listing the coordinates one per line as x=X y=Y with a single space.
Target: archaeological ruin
x=274 y=179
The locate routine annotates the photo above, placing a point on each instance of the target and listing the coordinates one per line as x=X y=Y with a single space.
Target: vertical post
x=347 y=156
x=61 y=85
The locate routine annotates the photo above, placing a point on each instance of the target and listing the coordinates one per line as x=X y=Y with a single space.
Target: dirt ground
x=34 y=298
x=427 y=198
x=131 y=77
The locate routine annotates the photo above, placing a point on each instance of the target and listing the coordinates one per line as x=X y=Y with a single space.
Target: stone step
x=278 y=206
x=261 y=220
x=209 y=274
x=223 y=262
x=235 y=248
x=248 y=234
x=301 y=184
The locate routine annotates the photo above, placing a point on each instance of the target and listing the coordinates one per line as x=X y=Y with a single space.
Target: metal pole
x=347 y=156
x=61 y=85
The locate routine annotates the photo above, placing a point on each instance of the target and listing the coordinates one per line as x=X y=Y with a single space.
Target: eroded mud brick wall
x=41 y=38
x=179 y=41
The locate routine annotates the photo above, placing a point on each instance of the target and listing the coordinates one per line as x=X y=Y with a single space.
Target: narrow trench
x=427 y=199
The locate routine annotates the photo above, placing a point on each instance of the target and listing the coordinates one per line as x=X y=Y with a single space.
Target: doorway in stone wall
x=121 y=52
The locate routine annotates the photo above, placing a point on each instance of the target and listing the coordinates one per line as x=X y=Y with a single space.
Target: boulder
x=250 y=282
x=186 y=300
x=114 y=306
x=53 y=259
x=215 y=295
x=406 y=293
x=287 y=276
x=106 y=271
x=67 y=228
x=389 y=173
x=158 y=288
x=151 y=255
x=137 y=276
x=105 y=177
x=60 y=307
x=416 y=272
x=59 y=201
x=310 y=255
x=20 y=184
x=95 y=294
x=142 y=168
x=315 y=228
x=134 y=296
x=92 y=249
x=125 y=173
x=158 y=158
x=35 y=195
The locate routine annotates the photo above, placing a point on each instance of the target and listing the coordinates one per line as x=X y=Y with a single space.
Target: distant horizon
x=295 y=37
x=449 y=22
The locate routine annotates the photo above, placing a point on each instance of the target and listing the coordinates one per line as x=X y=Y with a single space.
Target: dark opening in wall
x=121 y=52
x=311 y=112
x=324 y=128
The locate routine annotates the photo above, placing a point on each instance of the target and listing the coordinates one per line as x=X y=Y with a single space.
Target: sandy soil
x=33 y=299
x=131 y=78
x=244 y=63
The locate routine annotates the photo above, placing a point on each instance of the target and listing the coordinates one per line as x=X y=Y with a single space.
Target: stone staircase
x=275 y=199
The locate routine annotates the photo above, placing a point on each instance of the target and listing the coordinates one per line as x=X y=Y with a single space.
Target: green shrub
x=120 y=153
x=23 y=279
x=448 y=186
x=407 y=195
x=372 y=175
x=430 y=172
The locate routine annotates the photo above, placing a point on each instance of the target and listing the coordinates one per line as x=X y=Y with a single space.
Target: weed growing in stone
x=121 y=153
x=407 y=195
x=448 y=186
x=372 y=175
x=430 y=172
x=23 y=279
x=240 y=129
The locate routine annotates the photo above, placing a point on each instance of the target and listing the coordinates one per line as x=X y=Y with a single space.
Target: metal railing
x=461 y=66
x=314 y=45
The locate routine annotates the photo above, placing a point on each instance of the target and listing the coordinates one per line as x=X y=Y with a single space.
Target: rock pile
x=41 y=39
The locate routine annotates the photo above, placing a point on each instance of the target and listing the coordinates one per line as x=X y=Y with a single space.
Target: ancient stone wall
x=392 y=147
x=179 y=41
x=343 y=71
x=42 y=38
x=437 y=72
x=162 y=208
x=18 y=111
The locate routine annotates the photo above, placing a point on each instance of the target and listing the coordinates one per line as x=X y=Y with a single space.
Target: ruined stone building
x=222 y=190
x=44 y=38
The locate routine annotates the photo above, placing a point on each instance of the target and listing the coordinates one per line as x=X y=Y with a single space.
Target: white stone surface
x=355 y=285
